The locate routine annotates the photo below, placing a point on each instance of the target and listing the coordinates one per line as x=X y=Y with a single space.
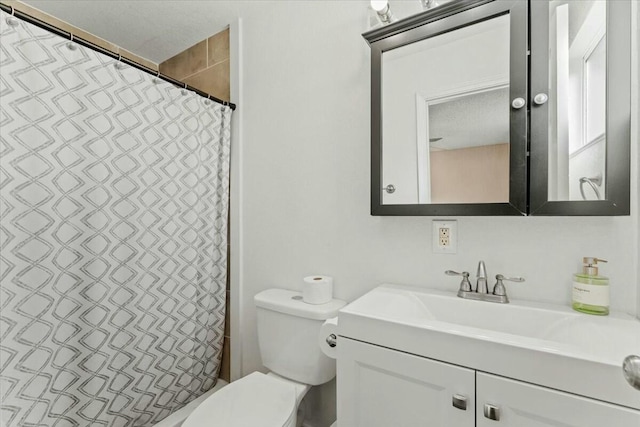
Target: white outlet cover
x=450 y=224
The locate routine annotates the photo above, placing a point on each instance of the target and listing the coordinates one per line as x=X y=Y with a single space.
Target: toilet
x=288 y=331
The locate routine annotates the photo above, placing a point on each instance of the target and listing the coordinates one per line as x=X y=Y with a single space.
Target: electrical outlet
x=445 y=236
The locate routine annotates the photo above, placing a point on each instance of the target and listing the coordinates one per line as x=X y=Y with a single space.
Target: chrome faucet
x=481 y=292
x=481 y=279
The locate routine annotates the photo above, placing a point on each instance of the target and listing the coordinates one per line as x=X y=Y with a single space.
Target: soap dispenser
x=591 y=291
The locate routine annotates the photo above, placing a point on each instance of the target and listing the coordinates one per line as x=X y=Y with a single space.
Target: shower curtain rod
x=52 y=28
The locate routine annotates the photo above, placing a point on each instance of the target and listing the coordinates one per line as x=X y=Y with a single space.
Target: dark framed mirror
x=446 y=139
x=580 y=137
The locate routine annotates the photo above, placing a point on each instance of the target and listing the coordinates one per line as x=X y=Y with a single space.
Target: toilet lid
x=255 y=400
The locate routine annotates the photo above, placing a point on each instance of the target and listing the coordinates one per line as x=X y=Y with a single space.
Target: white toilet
x=288 y=331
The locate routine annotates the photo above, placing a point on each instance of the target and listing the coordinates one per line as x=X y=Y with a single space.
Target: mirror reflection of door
x=445 y=117
x=467 y=141
x=577 y=105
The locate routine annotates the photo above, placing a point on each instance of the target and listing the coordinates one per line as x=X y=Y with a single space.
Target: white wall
x=305 y=184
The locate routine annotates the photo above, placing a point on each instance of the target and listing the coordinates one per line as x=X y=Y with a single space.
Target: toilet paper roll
x=317 y=289
x=328 y=338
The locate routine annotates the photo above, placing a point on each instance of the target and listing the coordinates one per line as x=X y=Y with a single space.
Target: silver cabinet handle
x=518 y=103
x=631 y=370
x=492 y=412
x=459 y=401
x=390 y=188
x=332 y=340
x=541 y=98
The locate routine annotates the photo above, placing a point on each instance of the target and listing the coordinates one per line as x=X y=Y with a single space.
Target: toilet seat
x=255 y=400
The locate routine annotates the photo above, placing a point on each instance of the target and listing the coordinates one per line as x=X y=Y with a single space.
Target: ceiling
x=159 y=29
x=153 y=29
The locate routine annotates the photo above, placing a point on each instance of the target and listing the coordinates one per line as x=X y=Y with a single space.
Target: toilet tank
x=288 y=331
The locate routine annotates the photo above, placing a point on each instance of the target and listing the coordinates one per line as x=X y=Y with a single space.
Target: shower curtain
x=113 y=237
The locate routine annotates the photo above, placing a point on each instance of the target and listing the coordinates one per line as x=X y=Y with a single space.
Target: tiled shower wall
x=205 y=66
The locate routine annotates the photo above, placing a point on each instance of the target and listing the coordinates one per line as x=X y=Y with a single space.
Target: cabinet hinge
x=528 y=53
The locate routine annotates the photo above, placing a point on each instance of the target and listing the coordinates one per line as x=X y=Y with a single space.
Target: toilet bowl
x=288 y=331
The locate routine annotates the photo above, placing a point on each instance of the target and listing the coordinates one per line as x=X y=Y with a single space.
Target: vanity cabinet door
x=379 y=387
x=524 y=405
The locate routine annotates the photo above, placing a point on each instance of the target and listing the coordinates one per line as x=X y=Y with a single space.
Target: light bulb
x=379 y=5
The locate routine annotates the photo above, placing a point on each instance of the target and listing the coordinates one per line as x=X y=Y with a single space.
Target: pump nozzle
x=590 y=264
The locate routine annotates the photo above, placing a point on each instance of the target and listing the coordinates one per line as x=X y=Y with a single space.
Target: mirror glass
x=577 y=105
x=445 y=117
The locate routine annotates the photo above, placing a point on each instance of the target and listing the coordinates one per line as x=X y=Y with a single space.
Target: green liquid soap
x=591 y=291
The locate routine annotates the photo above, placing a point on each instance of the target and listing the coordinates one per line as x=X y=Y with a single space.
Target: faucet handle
x=499 y=289
x=465 y=284
x=510 y=279
x=455 y=273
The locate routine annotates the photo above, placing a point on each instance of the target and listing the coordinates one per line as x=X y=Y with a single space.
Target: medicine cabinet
x=502 y=107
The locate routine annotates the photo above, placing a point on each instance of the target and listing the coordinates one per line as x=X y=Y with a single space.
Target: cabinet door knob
x=631 y=370
x=518 y=103
x=390 y=188
x=492 y=412
x=541 y=98
x=459 y=401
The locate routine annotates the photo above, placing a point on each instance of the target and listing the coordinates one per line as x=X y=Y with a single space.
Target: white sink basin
x=545 y=344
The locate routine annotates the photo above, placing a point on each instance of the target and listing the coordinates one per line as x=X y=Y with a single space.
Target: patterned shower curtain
x=113 y=237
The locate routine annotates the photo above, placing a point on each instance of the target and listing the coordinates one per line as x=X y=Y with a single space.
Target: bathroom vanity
x=413 y=356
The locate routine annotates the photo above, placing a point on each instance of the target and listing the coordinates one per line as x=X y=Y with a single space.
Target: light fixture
x=383 y=10
x=428 y=4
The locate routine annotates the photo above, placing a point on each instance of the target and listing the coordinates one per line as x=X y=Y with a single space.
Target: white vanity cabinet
x=382 y=387
x=379 y=387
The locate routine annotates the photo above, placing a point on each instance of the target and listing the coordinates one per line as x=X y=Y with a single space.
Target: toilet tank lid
x=290 y=302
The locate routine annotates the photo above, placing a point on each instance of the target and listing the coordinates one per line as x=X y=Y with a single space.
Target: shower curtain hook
x=119 y=64
x=11 y=20
x=71 y=45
